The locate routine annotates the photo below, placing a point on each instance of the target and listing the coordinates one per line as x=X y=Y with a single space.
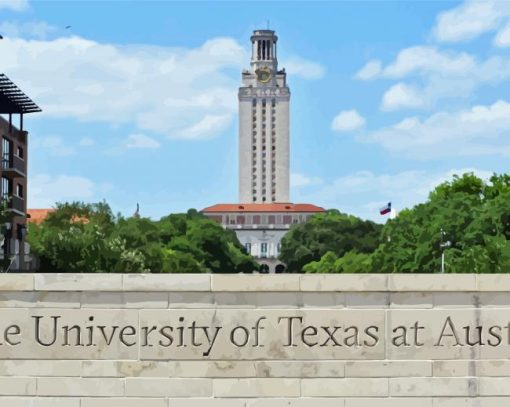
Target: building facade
x=13 y=175
x=264 y=125
x=264 y=214
x=261 y=227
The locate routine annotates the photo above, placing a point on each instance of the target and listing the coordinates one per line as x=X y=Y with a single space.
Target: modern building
x=13 y=173
x=264 y=214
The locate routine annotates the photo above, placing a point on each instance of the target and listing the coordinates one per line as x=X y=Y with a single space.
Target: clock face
x=263 y=74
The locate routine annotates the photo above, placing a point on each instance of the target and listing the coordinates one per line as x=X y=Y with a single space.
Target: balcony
x=13 y=166
x=16 y=205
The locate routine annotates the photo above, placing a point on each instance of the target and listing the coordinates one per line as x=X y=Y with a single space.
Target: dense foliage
x=471 y=214
x=331 y=231
x=87 y=238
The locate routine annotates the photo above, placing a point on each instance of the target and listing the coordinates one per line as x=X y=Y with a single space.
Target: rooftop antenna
x=268 y=24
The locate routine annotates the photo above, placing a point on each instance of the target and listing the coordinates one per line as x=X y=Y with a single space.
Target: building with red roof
x=264 y=216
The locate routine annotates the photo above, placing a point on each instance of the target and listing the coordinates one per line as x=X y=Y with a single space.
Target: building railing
x=13 y=163
x=15 y=203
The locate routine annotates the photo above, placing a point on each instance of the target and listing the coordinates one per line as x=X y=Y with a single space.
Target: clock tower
x=264 y=125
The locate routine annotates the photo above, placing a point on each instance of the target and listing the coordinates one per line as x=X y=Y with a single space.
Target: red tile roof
x=38 y=215
x=272 y=207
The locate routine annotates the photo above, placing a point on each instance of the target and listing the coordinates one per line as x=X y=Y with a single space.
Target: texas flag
x=385 y=209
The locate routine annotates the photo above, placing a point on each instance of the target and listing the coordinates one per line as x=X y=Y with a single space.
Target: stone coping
x=255 y=282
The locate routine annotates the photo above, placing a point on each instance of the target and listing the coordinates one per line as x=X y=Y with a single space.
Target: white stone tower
x=264 y=125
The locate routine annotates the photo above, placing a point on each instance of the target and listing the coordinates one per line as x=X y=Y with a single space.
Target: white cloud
x=502 y=38
x=207 y=127
x=425 y=59
x=434 y=75
x=302 y=68
x=470 y=19
x=45 y=190
x=54 y=145
x=33 y=29
x=371 y=70
x=141 y=141
x=401 y=96
x=367 y=191
x=298 y=180
x=14 y=5
x=86 y=142
x=347 y=120
x=160 y=89
x=480 y=130
x=178 y=92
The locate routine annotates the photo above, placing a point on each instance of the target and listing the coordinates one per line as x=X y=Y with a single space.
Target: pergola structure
x=14 y=101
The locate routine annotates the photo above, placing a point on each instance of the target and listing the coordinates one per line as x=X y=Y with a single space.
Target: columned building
x=264 y=214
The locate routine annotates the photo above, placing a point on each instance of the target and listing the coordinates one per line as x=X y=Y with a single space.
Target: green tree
x=475 y=217
x=331 y=231
x=80 y=237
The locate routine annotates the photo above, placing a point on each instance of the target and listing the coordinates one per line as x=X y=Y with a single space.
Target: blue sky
x=139 y=98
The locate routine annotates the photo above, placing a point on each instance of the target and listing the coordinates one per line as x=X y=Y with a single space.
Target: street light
x=443 y=246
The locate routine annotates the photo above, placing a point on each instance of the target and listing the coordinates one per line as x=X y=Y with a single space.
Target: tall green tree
x=474 y=216
x=331 y=231
x=80 y=237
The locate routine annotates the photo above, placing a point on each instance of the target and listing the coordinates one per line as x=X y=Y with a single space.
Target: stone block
x=211 y=369
x=411 y=300
x=471 y=402
x=279 y=336
x=323 y=299
x=389 y=402
x=296 y=402
x=125 y=368
x=383 y=368
x=348 y=387
x=77 y=282
x=494 y=386
x=17 y=386
x=16 y=282
x=190 y=299
x=367 y=300
x=124 y=402
x=493 y=282
x=159 y=387
x=77 y=386
x=259 y=387
x=454 y=368
x=40 y=368
x=56 y=344
x=255 y=282
x=344 y=282
x=432 y=282
x=40 y=401
x=326 y=368
x=456 y=300
x=120 y=299
x=433 y=387
x=166 y=282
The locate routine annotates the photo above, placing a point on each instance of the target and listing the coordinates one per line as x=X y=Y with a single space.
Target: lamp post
x=443 y=245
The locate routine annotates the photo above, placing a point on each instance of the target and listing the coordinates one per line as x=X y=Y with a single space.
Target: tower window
x=273 y=102
x=255 y=147
x=273 y=147
x=254 y=102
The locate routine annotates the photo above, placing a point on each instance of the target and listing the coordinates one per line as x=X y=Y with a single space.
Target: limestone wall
x=94 y=340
